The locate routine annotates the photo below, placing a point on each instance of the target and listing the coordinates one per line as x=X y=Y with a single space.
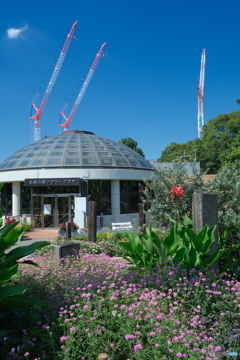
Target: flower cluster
x=9 y=220
x=177 y=192
x=73 y=226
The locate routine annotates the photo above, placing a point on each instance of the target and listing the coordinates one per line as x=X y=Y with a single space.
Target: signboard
x=47 y=209
x=53 y=182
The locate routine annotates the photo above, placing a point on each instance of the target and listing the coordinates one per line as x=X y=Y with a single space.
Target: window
x=130 y=192
x=100 y=191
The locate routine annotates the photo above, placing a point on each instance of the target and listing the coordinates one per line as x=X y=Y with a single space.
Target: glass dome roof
x=75 y=149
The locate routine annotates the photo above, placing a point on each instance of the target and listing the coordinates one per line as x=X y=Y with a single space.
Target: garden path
x=37 y=235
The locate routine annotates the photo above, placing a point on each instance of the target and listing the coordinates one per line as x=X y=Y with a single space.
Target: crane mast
x=39 y=111
x=200 y=89
x=68 y=120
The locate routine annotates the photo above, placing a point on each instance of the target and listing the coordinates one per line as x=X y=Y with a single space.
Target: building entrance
x=52 y=210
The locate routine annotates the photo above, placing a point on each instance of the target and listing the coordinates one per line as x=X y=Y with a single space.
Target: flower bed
x=95 y=304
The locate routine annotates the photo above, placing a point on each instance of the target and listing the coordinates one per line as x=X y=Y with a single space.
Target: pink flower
x=111 y=345
x=26 y=354
x=129 y=337
x=157 y=345
x=63 y=338
x=152 y=333
x=85 y=308
x=137 y=347
x=72 y=329
x=179 y=355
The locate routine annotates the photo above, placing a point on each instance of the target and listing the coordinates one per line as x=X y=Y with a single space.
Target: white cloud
x=14 y=33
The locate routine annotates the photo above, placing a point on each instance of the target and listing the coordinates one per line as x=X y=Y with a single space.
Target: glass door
x=36 y=211
x=63 y=210
x=48 y=211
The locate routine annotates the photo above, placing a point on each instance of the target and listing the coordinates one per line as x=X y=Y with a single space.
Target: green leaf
x=224 y=237
x=12 y=236
x=29 y=262
x=193 y=257
x=3 y=332
x=126 y=246
x=22 y=251
x=11 y=290
x=218 y=254
x=187 y=221
x=162 y=253
x=172 y=241
x=178 y=258
x=195 y=239
x=8 y=274
x=17 y=303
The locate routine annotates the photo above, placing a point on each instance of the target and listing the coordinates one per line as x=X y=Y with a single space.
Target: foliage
x=145 y=250
x=132 y=144
x=159 y=200
x=227 y=185
x=12 y=298
x=219 y=142
x=181 y=246
x=101 y=306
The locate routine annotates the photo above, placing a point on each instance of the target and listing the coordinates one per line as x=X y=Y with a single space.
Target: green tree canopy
x=132 y=144
x=219 y=144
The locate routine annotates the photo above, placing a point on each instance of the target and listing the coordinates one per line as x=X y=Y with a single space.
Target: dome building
x=42 y=180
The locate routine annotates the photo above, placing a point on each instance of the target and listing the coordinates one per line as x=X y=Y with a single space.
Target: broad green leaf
x=187 y=221
x=20 y=302
x=203 y=234
x=5 y=229
x=3 y=332
x=11 y=290
x=224 y=237
x=161 y=250
x=195 y=239
x=29 y=262
x=207 y=246
x=126 y=246
x=7 y=274
x=178 y=258
x=218 y=254
x=172 y=241
x=11 y=238
x=22 y=251
x=169 y=239
x=193 y=258
x=211 y=234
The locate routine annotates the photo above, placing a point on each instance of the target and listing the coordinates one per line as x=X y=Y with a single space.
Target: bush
x=162 y=203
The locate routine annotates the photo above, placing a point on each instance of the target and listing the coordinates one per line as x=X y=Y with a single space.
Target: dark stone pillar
x=92 y=221
x=205 y=212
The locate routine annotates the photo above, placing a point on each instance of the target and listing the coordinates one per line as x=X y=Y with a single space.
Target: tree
x=219 y=142
x=181 y=152
x=132 y=144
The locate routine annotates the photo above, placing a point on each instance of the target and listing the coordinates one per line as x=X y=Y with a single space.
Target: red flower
x=177 y=191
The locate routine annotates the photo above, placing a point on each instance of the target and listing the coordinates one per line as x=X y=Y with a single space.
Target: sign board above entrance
x=53 y=182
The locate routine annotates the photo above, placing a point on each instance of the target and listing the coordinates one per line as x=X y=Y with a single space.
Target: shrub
x=12 y=298
x=159 y=194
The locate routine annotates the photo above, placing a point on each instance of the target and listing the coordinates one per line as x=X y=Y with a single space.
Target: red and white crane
x=68 y=119
x=39 y=111
x=200 y=89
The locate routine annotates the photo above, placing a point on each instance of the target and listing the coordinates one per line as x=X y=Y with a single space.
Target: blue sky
x=146 y=86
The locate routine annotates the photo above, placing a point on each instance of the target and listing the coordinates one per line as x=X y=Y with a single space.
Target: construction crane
x=200 y=89
x=39 y=111
x=83 y=89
